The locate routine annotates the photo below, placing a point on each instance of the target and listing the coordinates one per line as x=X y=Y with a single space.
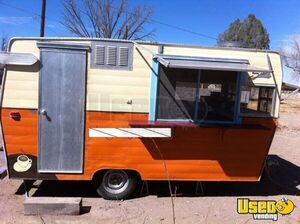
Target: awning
x=17 y=59
x=209 y=63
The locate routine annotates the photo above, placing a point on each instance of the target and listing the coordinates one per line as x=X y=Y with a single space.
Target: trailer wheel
x=116 y=184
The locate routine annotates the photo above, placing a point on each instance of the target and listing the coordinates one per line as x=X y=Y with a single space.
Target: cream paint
x=111 y=90
x=107 y=90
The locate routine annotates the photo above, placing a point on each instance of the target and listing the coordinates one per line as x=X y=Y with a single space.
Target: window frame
x=267 y=99
x=263 y=113
x=236 y=116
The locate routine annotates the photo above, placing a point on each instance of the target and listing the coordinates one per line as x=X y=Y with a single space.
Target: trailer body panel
x=125 y=98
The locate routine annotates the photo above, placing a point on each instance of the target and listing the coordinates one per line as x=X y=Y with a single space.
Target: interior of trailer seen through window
x=211 y=91
x=197 y=95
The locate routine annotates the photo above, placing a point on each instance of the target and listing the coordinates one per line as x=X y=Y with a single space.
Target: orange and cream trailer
x=116 y=111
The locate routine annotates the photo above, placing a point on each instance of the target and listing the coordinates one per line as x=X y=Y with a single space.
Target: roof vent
x=111 y=55
x=123 y=56
x=234 y=44
x=100 y=55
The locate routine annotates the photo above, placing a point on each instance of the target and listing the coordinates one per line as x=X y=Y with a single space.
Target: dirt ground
x=217 y=205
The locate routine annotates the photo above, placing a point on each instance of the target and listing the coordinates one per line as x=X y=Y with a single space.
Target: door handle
x=43 y=112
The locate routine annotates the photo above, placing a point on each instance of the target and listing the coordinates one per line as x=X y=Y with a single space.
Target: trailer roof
x=140 y=42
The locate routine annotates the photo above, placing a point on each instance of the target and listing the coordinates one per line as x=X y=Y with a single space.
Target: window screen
x=206 y=96
x=217 y=96
x=176 y=93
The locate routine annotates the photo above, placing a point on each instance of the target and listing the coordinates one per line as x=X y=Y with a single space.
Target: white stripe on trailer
x=130 y=132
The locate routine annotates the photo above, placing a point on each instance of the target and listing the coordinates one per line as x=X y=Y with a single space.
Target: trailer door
x=62 y=84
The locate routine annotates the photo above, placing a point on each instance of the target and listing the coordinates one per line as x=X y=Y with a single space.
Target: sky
x=203 y=17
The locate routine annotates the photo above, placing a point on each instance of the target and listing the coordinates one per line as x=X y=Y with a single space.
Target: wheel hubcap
x=115 y=181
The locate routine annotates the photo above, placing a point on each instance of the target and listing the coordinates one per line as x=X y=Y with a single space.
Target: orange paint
x=234 y=153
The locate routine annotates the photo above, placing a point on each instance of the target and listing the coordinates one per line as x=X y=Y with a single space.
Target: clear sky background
x=208 y=17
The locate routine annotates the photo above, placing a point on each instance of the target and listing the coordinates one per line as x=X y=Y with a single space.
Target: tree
x=3 y=43
x=290 y=54
x=106 y=19
x=251 y=33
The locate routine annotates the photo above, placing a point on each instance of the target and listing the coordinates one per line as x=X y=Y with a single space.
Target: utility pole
x=126 y=28
x=126 y=32
x=43 y=12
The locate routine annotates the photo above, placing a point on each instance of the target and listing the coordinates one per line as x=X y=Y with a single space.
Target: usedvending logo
x=265 y=209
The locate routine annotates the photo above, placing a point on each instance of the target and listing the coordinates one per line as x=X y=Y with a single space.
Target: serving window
x=211 y=89
x=217 y=96
x=177 y=91
x=197 y=95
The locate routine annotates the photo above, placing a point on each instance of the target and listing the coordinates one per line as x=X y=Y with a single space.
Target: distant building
x=287 y=87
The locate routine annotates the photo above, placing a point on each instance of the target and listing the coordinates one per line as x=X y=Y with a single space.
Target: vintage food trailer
x=115 y=111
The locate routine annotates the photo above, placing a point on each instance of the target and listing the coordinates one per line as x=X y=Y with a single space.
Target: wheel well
x=99 y=173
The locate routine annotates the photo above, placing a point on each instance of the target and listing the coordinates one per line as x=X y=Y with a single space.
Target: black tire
x=265 y=174
x=116 y=184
